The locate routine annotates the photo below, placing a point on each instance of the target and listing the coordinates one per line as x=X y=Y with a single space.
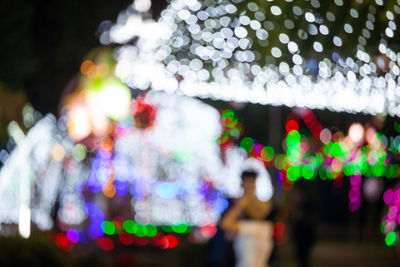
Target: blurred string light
x=391 y=219
x=338 y=155
x=248 y=52
x=20 y=193
x=42 y=151
x=155 y=156
x=318 y=152
x=128 y=232
x=364 y=155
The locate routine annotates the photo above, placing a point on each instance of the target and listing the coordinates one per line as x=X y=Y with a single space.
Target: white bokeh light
x=356 y=132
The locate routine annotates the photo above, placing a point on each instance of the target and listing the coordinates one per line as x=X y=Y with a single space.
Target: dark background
x=43 y=43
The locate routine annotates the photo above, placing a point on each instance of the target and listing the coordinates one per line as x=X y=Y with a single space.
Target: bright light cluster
x=250 y=52
x=127 y=232
x=391 y=220
x=99 y=99
x=40 y=170
x=338 y=155
x=368 y=155
x=160 y=162
x=364 y=155
x=318 y=152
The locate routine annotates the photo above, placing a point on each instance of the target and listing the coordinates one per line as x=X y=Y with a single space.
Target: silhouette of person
x=303 y=225
x=246 y=221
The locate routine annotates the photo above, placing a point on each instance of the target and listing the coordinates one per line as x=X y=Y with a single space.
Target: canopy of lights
x=334 y=55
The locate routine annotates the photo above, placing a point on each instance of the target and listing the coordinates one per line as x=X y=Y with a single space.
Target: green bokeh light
x=247 y=144
x=390 y=171
x=308 y=172
x=293 y=138
x=235 y=132
x=377 y=170
x=228 y=114
x=79 y=152
x=142 y=230
x=108 y=228
x=293 y=155
x=293 y=173
x=179 y=228
x=322 y=174
x=267 y=153
x=390 y=238
x=166 y=228
x=327 y=149
x=130 y=226
x=151 y=230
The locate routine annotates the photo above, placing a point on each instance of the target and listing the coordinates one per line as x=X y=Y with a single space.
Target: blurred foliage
x=11 y=105
x=36 y=251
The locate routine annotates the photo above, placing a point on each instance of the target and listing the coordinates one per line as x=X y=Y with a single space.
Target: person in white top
x=253 y=240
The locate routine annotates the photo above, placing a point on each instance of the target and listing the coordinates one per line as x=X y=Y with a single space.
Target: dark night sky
x=43 y=43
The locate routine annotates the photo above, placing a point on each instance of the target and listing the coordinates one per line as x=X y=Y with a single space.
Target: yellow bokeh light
x=57 y=152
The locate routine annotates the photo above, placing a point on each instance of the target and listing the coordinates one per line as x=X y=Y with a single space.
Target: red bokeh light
x=208 y=230
x=169 y=241
x=278 y=229
x=62 y=242
x=308 y=117
x=105 y=243
x=157 y=240
x=292 y=125
x=126 y=239
x=143 y=113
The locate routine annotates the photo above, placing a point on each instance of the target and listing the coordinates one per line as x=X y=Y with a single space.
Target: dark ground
x=328 y=251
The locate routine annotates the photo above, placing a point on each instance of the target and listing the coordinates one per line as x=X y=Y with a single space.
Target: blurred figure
x=303 y=222
x=245 y=222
